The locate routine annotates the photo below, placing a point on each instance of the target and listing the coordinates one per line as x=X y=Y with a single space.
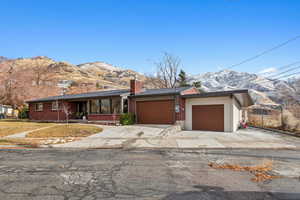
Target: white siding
x=232 y=111
x=226 y=101
x=236 y=114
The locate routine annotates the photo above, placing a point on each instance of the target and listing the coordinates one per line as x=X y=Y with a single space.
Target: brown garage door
x=155 y=112
x=208 y=117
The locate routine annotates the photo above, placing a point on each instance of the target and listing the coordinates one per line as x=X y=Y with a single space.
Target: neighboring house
x=214 y=111
x=5 y=111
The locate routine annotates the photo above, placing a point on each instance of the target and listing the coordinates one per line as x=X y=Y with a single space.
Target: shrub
x=127 y=119
x=23 y=114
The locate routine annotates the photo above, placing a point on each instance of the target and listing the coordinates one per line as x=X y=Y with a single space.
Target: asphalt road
x=144 y=174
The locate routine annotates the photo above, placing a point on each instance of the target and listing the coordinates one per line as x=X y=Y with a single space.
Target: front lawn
x=57 y=133
x=9 y=127
x=62 y=131
x=20 y=142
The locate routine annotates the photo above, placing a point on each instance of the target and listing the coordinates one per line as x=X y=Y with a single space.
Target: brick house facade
x=186 y=106
x=135 y=94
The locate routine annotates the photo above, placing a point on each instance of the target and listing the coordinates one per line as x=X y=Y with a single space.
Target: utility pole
x=281 y=106
x=262 y=118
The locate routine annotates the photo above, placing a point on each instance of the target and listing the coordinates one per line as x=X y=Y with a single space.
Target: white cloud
x=268 y=70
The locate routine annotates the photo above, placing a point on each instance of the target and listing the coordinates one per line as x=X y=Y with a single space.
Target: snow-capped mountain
x=262 y=89
x=99 y=65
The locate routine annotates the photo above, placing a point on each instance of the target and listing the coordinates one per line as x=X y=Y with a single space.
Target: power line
x=288 y=75
x=279 y=68
x=278 y=78
x=288 y=65
x=266 y=51
x=278 y=74
x=274 y=75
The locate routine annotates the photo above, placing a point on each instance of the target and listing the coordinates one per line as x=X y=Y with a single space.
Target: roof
x=162 y=91
x=241 y=95
x=147 y=92
x=215 y=94
x=109 y=93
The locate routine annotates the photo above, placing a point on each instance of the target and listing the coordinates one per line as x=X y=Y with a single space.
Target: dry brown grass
x=260 y=172
x=20 y=142
x=9 y=127
x=62 y=131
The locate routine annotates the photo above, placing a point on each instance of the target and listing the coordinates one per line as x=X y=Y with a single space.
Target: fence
x=278 y=117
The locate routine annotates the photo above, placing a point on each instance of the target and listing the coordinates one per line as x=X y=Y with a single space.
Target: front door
x=81 y=109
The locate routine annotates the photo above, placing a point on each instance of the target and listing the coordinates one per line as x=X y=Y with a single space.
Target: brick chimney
x=135 y=87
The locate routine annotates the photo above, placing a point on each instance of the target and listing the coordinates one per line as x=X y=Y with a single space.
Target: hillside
x=38 y=77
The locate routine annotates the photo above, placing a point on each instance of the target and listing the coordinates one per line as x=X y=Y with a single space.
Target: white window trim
x=57 y=108
x=37 y=107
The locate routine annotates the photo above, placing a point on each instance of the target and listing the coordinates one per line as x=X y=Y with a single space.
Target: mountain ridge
x=264 y=90
x=39 y=76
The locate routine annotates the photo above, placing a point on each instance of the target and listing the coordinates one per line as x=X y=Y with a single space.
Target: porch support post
x=88 y=107
x=122 y=104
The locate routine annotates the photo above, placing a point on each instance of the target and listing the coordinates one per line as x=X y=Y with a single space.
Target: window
x=94 y=106
x=116 y=105
x=56 y=105
x=39 y=107
x=125 y=106
x=105 y=106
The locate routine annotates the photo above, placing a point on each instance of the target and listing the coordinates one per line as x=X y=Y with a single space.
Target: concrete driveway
x=151 y=136
x=244 y=138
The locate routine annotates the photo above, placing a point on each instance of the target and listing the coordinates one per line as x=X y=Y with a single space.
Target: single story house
x=211 y=111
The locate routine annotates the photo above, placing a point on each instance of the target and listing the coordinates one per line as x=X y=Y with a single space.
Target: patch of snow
x=100 y=65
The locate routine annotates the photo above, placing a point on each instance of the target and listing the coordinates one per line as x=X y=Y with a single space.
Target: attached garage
x=208 y=117
x=155 y=112
x=215 y=111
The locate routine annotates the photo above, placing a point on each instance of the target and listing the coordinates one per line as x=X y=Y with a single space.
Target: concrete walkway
x=152 y=137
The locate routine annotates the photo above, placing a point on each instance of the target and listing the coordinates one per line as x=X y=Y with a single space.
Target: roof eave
x=152 y=95
x=247 y=100
x=60 y=99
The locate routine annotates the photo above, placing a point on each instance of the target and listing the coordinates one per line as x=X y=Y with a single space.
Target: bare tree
x=67 y=110
x=167 y=71
x=9 y=84
x=40 y=69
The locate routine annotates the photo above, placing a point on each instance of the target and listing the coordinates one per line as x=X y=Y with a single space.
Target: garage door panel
x=208 y=117
x=155 y=112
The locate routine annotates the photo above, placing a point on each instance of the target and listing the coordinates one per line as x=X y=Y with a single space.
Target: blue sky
x=206 y=35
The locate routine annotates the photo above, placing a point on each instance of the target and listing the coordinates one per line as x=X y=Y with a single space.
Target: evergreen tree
x=182 y=79
x=197 y=84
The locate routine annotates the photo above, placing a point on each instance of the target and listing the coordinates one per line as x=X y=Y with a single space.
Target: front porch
x=99 y=111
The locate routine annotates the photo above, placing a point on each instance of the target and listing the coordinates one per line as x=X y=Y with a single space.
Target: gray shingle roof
x=241 y=95
x=215 y=94
x=149 y=92
x=82 y=95
x=162 y=91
